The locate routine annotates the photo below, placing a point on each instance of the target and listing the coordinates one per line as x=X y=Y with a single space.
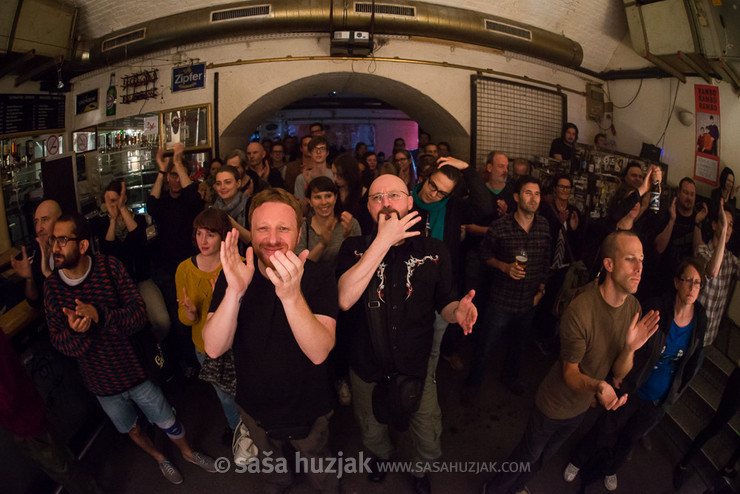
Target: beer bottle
x=110 y=97
x=655 y=196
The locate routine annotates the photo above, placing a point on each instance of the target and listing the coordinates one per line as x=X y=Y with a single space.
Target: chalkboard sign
x=24 y=113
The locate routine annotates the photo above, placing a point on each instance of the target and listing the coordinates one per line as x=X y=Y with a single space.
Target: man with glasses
x=405 y=277
x=443 y=212
x=517 y=247
x=722 y=268
x=277 y=159
x=319 y=148
x=660 y=372
x=92 y=307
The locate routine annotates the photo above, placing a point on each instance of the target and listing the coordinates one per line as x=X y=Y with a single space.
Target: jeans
x=542 y=439
x=228 y=403
x=425 y=427
x=514 y=328
x=120 y=407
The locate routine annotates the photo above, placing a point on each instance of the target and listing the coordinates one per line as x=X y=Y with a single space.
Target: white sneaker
x=610 y=482
x=344 y=392
x=570 y=472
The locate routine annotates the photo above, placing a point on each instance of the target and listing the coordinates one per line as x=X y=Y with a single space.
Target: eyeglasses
x=402 y=159
x=436 y=190
x=319 y=149
x=564 y=187
x=393 y=196
x=695 y=283
x=62 y=241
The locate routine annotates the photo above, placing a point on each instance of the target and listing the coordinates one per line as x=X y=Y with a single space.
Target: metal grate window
x=124 y=39
x=240 y=13
x=508 y=30
x=385 y=8
x=517 y=119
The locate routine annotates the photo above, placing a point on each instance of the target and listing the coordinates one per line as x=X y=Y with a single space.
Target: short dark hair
x=317 y=141
x=317 y=124
x=81 y=228
x=242 y=157
x=596 y=137
x=686 y=180
x=186 y=163
x=631 y=164
x=114 y=186
x=214 y=220
x=303 y=138
x=276 y=194
x=324 y=184
x=450 y=172
x=561 y=176
x=427 y=164
x=445 y=143
x=230 y=169
x=685 y=263
x=609 y=245
x=524 y=180
x=567 y=126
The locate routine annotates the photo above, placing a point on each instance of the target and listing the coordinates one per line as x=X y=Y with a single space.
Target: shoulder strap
x=376 y=321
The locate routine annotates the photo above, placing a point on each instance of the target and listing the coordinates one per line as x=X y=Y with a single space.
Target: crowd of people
x=341 y=277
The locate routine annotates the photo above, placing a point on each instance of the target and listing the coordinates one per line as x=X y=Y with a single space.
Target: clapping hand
x=639 y=332
x=286 y=273
x=22 y=266
x=238 y=273
x=346 y=220
x=188 y=305
x=466 y=313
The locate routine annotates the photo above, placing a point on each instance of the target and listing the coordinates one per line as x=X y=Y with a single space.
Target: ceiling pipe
x=403 y=17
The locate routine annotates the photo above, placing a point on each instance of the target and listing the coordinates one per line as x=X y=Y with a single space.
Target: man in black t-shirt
x=278 y=313
x=407 y=277
x=563 y=147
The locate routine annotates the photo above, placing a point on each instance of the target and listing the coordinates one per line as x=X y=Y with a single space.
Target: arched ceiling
x=598 y=25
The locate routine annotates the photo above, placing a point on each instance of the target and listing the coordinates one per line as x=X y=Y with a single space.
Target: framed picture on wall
x=190 y=125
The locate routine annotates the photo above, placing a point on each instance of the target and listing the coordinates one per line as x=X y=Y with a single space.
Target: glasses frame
x=436 y=191
x=378 y=197
x=62 y=241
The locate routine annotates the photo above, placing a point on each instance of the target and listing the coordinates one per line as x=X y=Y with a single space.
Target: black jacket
x=648 y=356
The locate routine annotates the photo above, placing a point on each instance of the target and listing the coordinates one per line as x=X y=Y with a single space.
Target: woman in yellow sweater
x=195 y=279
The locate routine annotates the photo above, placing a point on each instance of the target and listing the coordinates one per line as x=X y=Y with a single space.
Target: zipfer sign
x=190 y=77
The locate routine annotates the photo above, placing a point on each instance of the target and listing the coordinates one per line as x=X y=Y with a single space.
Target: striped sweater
x=106 y=358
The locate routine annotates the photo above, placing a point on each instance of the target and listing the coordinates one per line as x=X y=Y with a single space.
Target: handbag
x=157 y=366
x=397 y=396
x=220 y=371
x=242 y=445
x=149 y=351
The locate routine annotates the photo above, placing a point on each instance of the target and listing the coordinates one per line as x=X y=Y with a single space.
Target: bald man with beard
x=36 y=268
x=404 y=277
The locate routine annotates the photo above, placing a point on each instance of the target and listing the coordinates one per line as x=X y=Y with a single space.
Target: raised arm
x=661 y=241
x=162 y=164
x=637 y=334
x=182 y=172
x=218 y=332
x=391 y=231
x=715 y=262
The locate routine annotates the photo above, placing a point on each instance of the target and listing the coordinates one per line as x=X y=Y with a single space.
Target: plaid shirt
x=714 y=293
x=504 y=238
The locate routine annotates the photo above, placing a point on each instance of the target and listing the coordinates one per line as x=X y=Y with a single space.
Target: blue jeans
x=514 y=328
x=228 y=403
x=120 y=407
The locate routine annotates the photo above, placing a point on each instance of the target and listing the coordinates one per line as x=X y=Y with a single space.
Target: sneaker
x=203 y=461
x=170 y=471
x=570 y=472
x=610 y=482
x=344 y=392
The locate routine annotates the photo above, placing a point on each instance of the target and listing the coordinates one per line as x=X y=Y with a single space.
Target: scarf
x=436 y=210
x=236 y=208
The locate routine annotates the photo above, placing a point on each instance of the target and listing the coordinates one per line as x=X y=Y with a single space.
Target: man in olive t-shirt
x=599 y=333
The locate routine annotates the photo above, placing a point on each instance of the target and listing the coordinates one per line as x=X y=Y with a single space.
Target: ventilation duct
x=405 y=18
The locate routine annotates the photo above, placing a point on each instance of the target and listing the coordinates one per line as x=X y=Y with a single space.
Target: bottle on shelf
x=110 y=97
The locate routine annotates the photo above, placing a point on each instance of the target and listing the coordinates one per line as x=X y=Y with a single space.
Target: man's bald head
x=255 y=155
x=380 y=193
x=44 y=218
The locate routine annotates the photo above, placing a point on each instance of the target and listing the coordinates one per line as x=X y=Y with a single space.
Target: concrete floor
x=485 y=431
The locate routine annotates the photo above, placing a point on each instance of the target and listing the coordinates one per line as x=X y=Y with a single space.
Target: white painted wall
x=645 y=119
x=242 y=85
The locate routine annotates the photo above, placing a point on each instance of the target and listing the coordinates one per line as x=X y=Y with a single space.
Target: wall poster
x=706 y=164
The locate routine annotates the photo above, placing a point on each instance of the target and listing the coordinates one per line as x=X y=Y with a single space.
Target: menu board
x=20 y=113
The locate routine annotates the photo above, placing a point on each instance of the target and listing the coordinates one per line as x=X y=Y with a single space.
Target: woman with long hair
x=232 y=201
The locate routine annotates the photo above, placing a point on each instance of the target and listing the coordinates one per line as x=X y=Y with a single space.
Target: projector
x=351 y=43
